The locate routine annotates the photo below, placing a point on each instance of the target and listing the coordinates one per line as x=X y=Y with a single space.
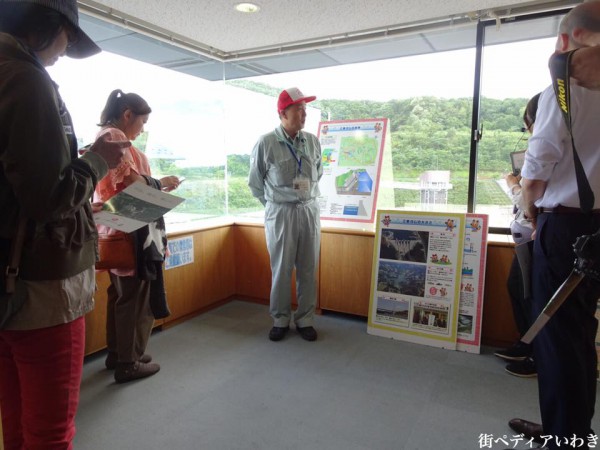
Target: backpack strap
x=14 y=257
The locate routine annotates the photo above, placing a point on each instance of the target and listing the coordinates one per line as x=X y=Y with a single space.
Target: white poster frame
x=472 y=284
x=346 y=208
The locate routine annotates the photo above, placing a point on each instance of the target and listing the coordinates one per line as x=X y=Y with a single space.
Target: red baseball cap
x=291 y=96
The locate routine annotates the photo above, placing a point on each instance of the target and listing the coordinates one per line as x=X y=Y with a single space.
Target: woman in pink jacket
x=130 y=315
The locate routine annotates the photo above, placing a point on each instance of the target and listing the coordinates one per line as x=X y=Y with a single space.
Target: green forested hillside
x=427 y=133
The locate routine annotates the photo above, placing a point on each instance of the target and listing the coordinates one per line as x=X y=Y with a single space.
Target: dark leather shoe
x=278 y=333
x=134 y=371
x=530 y=430
x=112 y=359
x=308 y=333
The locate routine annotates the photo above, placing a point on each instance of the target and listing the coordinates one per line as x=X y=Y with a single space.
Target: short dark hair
x=118 y=102
x=530 y=112
x=38 y=25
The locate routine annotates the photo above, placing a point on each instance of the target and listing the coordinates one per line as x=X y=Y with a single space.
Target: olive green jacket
x=40 y=173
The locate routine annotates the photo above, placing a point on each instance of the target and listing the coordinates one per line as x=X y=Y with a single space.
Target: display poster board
x=352 y=152
x=470 y=308
x=415 y=284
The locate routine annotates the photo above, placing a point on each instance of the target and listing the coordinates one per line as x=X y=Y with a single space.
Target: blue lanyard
x=296 y=157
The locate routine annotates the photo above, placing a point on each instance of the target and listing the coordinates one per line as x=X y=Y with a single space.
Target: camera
x=587 y=250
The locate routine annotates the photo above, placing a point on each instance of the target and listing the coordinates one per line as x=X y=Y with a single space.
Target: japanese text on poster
x=352 y=157
x=415 y=284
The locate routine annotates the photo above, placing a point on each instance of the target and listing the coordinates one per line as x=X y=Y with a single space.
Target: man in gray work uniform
x=285 y=169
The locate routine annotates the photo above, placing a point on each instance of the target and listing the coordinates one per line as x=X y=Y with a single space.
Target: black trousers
x=520 y=304
x=565 y=349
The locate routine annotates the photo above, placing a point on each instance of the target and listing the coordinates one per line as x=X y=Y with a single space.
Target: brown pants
x=129 y=319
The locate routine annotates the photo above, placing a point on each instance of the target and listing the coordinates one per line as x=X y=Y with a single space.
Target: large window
x=427 y=100
x=511 y=74
x=205 y=130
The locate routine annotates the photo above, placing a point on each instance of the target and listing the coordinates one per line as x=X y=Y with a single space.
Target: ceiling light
x=247 y=7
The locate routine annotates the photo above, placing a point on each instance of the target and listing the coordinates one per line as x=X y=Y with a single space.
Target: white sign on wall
x=181 y=252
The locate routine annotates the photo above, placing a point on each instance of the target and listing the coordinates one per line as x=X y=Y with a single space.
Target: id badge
x=301 y=184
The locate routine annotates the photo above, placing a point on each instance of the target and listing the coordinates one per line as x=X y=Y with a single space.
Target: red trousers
x=40 y=377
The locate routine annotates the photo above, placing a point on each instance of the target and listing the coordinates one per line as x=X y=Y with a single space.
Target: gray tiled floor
x=224 y=385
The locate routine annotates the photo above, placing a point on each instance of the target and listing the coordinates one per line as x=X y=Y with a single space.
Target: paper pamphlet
x=135 y=206
x=517 y=160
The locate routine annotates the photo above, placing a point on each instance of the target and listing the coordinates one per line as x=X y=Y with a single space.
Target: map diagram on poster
x=352 y=157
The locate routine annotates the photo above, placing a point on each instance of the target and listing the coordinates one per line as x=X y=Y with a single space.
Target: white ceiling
x=214 y=25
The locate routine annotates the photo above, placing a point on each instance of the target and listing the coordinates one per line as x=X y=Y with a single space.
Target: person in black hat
x=285 y=169
x=44 y=184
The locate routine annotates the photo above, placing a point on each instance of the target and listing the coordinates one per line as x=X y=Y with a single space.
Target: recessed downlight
x=247 y=7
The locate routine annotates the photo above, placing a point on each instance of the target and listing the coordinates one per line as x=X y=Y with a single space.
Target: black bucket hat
x=84 y=46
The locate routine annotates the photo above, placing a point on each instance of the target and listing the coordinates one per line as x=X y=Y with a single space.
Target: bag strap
x=559 y=69
x=14 y=257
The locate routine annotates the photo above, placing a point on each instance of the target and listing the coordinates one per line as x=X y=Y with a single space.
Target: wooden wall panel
x=252 y=266
x=95 y=321
x=209 y=279
x=345 y=272
x=232 y=261
x=498 y=327
x=190 y=289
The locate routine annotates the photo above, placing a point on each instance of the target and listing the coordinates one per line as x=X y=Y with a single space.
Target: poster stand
x=426 y=284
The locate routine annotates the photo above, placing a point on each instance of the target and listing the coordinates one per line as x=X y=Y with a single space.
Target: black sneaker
x=308 y=333
x=525 y=368
x=278 y=333
x=517 y=352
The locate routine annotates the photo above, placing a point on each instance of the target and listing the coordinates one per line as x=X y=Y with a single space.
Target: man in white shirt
x=565 y=348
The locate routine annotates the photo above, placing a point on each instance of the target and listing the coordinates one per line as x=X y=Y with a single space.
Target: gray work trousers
x=293 y=233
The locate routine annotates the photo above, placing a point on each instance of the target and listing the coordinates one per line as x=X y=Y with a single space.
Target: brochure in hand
x=135 y=206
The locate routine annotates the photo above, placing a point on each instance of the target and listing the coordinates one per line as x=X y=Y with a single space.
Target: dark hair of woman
x=531 y=111
x=119 y=102
x=35 y=25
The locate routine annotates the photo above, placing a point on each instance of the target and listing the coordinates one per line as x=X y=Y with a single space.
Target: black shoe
x=134 y=371
x=278 y=333
x=517 y=352
x=525 y=368
x=530 y=430
x=308 y=333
